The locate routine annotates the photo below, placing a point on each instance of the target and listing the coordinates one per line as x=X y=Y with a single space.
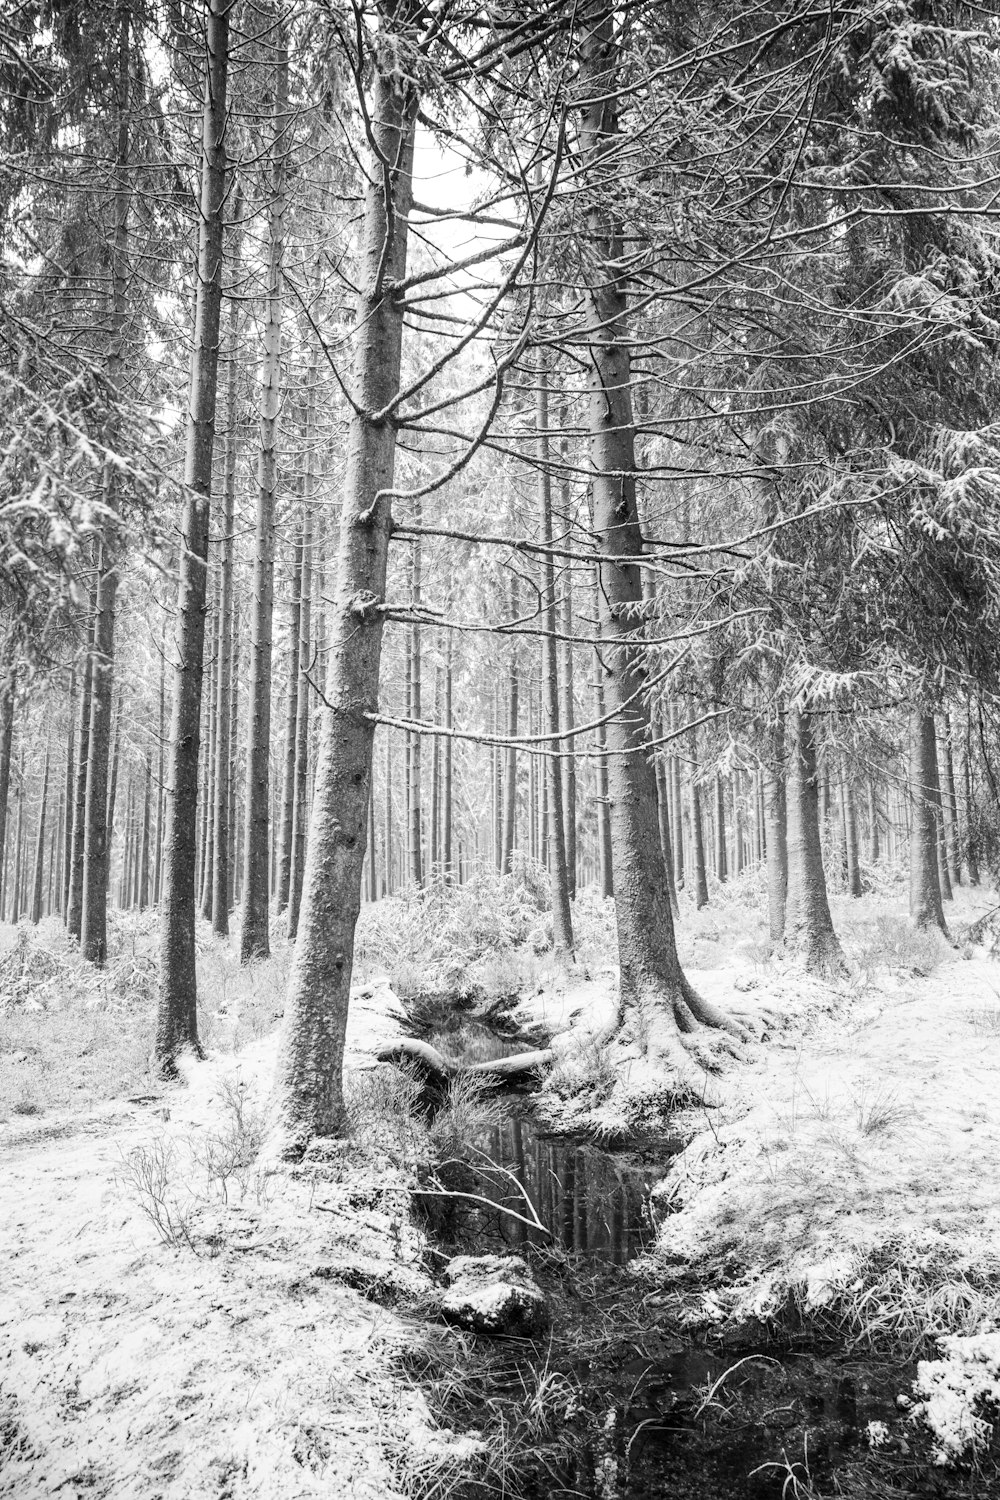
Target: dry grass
x=383 y=1114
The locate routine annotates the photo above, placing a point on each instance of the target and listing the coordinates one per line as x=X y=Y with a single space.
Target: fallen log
x=521 y=1071
x=436 y=1071
x=517 y=1067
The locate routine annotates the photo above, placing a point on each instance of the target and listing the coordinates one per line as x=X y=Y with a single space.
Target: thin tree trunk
x=949 y=802
x=147 y=794
x=97 y=831
x=301 y=806
x=448 y=767
x=310 y=1085
x=849 y=819
x=568 y=715
x=74 y=907
x=387 y=821
x=677 y=804
x=415 y=835
x=55 y=846
x=177 y=1020
x=562 y=920
x=7 y=700
x=435 y=845
x=211 y=750
x=16 y=899
x=255 y=941
x=161 y=796
x=66 y=817
x=222 y=865
x=925 y=888
x=235 y=822
x=721 y=863
x=113 y=785
x=37 y=880
x=291 y=724
x=874 y=850
x=776 y=832
x=969 y=819
x=809 y=926
x=605 y=862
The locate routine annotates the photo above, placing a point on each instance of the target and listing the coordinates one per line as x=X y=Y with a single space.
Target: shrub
x=892 y=942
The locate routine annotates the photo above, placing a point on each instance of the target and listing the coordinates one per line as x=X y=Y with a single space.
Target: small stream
x=647 y=1411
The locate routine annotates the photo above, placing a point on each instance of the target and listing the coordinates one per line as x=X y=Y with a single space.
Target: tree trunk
x=849 y=818
x=255 y=939
x=177 y=1020
x=221 y=871
x=74 y=906
x=147 y=795
x=676 y=802
x=809 y=926
x=211 y=751
x=449 y=766
x=235 y=821
x=698 y=859
x=969 y=819
x=16 y=903
x=776 y=832
x=301 y=806
x=874 y=851
x=387 y=820
x=414 y=804
x=510 y=778
x=949 y=802
x=161 y=798
x=925 y=888
x=567 y=712
x=721 y=863
x=310 y=1084
x=66 y=813
x=7 y=698
x=37 y=879
x=287 y=831
x=605 y=864
x=652 y=982
x=562 y=920
x=435 y=844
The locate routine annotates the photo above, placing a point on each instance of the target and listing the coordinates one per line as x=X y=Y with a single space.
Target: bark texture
x=562 y=920
x=925 y=885
x=223 y=707
x=653 y=987
x=177 y=1020
x=255 y=941
x=776 y=834
x=300 y=807
x=309 y=1083
x=7 y=686
x=74 y=905
x=809 y=926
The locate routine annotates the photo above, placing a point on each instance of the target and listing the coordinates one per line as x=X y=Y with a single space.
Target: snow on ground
x=236 y=1363
x=851 y=1165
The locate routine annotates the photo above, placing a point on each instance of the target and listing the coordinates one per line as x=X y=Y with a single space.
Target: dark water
x=546 y=1190
x=654 y=1414
x=540 y=1189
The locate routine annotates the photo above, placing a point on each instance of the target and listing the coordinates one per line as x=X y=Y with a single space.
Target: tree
x=177 y=1019
x=309 y=1074
x=255 y=931
x=653 y=987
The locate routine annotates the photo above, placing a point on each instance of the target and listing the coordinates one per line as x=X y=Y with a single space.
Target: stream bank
x=621 y=1400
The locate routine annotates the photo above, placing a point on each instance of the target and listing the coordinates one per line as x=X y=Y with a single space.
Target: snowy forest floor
x=182 y=1317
